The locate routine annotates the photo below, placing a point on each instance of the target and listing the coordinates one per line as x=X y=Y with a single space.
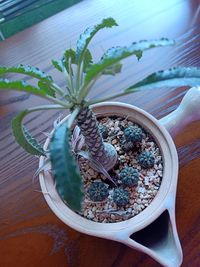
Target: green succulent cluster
x=98 y=191
x=146 y=159
x=129 y=176
x=121 y=197
x=133 y=134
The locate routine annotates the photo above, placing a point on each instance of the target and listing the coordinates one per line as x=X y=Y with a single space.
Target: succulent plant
x=127 y=145
x=129 y=176
x=146 y=159
x=98 y=191
x=133 y=134
x=103 y=130
x=121 y=197
x=81 y=73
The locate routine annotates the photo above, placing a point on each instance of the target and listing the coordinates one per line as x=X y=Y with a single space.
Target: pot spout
x=159 y=240
x=187 y=112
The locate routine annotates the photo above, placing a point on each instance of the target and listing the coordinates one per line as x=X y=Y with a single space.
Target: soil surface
x=142 y=194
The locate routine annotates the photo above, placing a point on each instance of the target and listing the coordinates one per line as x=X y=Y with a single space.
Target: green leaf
x=180 y=76
x=46 y=88
x=19 y=85
x=57 y=64
x=87 y=61
x=26 y=70
x=65 y=171
x=115 y=54
x=88 y=34
x=24 y=138
x=71 y=54
x=112 y=70
x=30 y=71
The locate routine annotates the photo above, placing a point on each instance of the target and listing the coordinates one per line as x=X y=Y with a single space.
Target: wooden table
x=30 y=234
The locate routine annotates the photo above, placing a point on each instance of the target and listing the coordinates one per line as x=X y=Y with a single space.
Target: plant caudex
x=81 y=73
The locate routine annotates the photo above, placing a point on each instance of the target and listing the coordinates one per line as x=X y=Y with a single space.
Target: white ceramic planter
x=159 y=216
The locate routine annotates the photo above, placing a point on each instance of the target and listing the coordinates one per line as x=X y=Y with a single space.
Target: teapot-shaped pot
x=153 y=231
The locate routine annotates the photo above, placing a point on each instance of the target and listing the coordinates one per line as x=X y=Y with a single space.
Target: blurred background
x=20 y=14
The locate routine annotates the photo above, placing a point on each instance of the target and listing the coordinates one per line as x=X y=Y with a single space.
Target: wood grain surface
x=30 y=234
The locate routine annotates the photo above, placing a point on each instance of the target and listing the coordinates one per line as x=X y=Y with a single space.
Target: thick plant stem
x=103 y=152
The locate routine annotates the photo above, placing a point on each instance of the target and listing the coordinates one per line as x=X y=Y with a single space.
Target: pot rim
x=165 y=198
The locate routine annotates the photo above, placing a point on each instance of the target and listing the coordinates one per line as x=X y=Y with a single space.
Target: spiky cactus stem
x=103 y=152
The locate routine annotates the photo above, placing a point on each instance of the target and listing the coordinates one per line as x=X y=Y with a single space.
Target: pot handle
x=187 y=112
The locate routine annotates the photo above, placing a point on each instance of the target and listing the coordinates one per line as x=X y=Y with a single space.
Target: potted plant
x=78 y=144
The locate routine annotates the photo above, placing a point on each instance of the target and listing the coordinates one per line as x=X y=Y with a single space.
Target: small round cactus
x=129 y=176
x=127 y=145
x=146 y=159
x=133 y=134
x=120 y=197
x=103 y=130
x=98 y=191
